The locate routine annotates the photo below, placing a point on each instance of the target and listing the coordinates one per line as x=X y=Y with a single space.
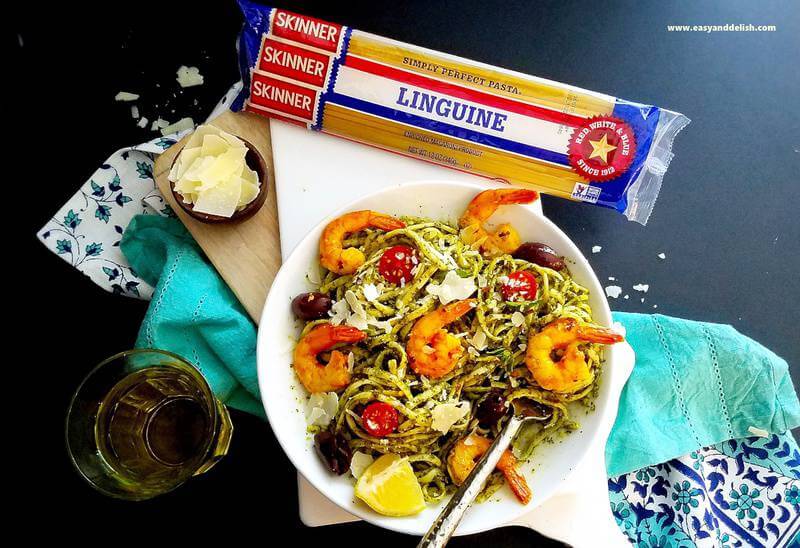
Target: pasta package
x=527 y=131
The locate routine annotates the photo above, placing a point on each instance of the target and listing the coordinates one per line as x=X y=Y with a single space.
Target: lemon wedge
x=390 y=487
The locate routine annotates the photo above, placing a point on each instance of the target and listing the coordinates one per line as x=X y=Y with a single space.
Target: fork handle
x=445 y=525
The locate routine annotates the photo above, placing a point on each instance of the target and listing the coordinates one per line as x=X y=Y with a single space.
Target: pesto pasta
x=493 y=336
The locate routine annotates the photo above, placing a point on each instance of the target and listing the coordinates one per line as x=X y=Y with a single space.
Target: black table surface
x=726 y=219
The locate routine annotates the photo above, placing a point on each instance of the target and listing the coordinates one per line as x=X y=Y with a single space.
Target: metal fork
x=445 y=525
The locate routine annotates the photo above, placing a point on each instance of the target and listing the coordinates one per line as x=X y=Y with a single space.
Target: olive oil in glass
x=143 y=422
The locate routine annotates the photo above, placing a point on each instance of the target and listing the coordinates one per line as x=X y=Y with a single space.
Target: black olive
x=334 y=451
x=541 y=254
x=311 y=306
x=491 y=408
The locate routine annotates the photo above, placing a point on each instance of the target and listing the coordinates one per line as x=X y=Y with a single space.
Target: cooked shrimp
x=503 y=240
x=433 y=351
x=320 y=377
x=468 y=450
x=569 y=373
x=346 y=261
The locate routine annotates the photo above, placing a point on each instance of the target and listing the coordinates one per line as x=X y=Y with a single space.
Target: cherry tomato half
x=520 y=286
x=398 y=263
x=379 y=419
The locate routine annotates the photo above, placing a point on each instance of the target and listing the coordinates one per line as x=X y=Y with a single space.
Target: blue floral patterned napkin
x=86 y=231
x=743 y=492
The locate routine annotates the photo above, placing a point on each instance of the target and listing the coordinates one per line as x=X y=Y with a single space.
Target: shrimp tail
x=455 y=310
x=386 y=222
x=517 y=196
x=599 y=335
x=516 y=481
x=347 y=334
x=518 y=485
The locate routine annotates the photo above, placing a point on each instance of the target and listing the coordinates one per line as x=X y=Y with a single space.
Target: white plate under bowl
x=284 y=397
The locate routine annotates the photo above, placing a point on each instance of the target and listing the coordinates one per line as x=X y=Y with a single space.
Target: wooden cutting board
x=247 y=254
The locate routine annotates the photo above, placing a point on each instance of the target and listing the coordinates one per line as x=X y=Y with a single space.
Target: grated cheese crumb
x=371 y=292
x=662 y=256
x=613 y=291
x=189 y=76
x=641 y=287
x=760 y=432
x=181 y=125
x=126 y=96
x=596 y=248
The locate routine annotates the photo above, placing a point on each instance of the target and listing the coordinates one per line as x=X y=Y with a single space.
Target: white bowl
x=284 y=397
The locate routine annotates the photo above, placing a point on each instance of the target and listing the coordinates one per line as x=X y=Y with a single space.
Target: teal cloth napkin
x=694 y=384
x=192 y=312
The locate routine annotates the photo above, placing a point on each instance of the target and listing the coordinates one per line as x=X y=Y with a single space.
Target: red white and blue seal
x=602 y=148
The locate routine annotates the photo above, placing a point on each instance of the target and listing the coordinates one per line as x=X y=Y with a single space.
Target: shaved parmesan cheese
x=339 y=312
x=181 y=125
x=355 y=306
x=135 y=112
x=213 y=145
x=189 y=76
x=445 y=415
x=185 y=159
x=211 y=173
x=760 y=432
x=517 y=319
x=221 y=199
x=359 y=463
x=126 y=96
x=641 y=287
x=249 y=192
x=479 y=339
x=452 y=288
x=142 y=122
x=322 y=408
x=386 y=325
x=221 y=169
x=160 y=123
x=349 y=311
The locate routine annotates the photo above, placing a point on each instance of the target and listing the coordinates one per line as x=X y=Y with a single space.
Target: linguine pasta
x=494 y=338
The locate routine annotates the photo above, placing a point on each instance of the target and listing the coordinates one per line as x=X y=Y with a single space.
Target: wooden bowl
x=254 y=161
